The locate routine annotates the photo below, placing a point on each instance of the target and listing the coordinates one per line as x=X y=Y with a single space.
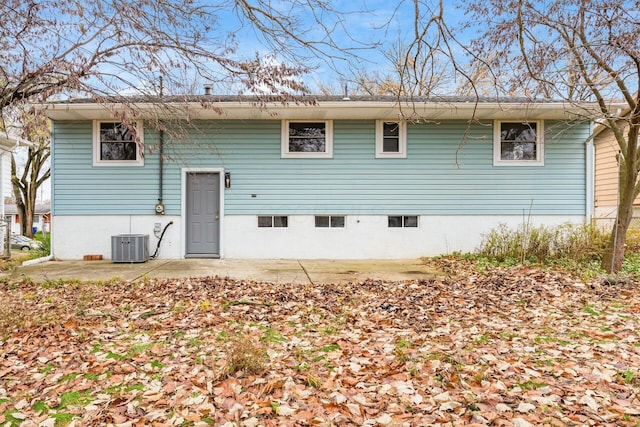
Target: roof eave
x=327 y=110
x=8 y=143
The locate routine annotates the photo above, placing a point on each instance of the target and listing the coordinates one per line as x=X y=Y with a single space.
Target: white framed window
x=273 y=221
x=115 y=144
x=329 y=221
x=402 y=221
x=307 y=139
x=518 y=143
x=391 y=139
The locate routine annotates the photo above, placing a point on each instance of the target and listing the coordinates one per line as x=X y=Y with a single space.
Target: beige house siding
x=606 y=178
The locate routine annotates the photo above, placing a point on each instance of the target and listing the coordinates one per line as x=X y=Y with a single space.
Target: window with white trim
x=307 y=139
x=273 y=221
x=518 y=143
x=329 y=221
x=116 y=144
x=391 y=139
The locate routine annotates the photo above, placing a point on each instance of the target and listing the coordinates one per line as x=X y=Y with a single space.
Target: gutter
x=9 y=143
x=331 y=109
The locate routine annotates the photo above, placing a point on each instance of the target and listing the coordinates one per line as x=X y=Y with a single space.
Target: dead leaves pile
x=514 y=347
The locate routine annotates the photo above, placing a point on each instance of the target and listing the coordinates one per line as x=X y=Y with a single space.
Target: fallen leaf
x=590 y=402
x=501 y=407
x=285 y=411
x=450 y=406
x=525 y=407
x=520 y=422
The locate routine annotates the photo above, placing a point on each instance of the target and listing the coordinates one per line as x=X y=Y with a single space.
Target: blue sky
x=366 y=23
x=362 y=29
x=370 y=23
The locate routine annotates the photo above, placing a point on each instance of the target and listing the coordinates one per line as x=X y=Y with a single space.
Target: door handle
x=217 y=214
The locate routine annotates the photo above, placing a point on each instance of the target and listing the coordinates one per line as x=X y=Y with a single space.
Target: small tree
x=27 y=184
x=26 y=180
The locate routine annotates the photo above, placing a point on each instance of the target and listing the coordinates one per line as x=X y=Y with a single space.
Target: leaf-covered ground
x=511 y=347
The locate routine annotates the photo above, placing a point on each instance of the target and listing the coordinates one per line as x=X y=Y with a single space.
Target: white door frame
x=183 y=209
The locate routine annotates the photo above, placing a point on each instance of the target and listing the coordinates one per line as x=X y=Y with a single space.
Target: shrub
x=581 y=243
x=633 y=238
x=46 y=240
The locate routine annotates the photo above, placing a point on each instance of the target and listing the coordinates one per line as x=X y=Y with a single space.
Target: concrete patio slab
x=277 y=271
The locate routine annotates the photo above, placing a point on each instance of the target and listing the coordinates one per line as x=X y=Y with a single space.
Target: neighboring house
x=7 y=145
x=607 y=178
x=41 y=217
x=341 y=179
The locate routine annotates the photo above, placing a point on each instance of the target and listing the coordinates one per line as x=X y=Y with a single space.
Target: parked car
x=24 y=243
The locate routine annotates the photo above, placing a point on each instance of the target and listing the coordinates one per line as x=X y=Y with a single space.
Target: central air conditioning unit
x=130 y=248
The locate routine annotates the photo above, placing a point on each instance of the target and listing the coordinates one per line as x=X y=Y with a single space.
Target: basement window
x=116 y=144
x=275 y=221
x=403 y=221
x=329 y=221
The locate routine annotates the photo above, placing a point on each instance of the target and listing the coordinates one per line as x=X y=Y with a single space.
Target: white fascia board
x=334 y=110
x=9 y=143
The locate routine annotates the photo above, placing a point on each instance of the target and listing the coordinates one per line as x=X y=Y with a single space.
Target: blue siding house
x=340 y=178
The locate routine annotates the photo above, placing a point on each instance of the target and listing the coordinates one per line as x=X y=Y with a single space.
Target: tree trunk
x=628 y=177
x=25 y=211
x=27 y=222
x=25 y=187
x=614 y=255
x=17 y=194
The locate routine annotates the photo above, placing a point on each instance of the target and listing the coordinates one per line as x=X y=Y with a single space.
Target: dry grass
x=13 y=318
x=633 y=237
x=17 y=258
x=543 y=244
x=245 y=357
x=16 y=317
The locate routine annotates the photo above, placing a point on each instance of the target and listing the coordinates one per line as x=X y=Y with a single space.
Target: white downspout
x=590 y=177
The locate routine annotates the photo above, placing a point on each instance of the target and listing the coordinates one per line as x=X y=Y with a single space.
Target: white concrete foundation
x=363 y=237
x=72 y=237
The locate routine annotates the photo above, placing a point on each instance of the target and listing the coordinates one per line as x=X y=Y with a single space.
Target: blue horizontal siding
x=442 y=174
x=79 y=187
